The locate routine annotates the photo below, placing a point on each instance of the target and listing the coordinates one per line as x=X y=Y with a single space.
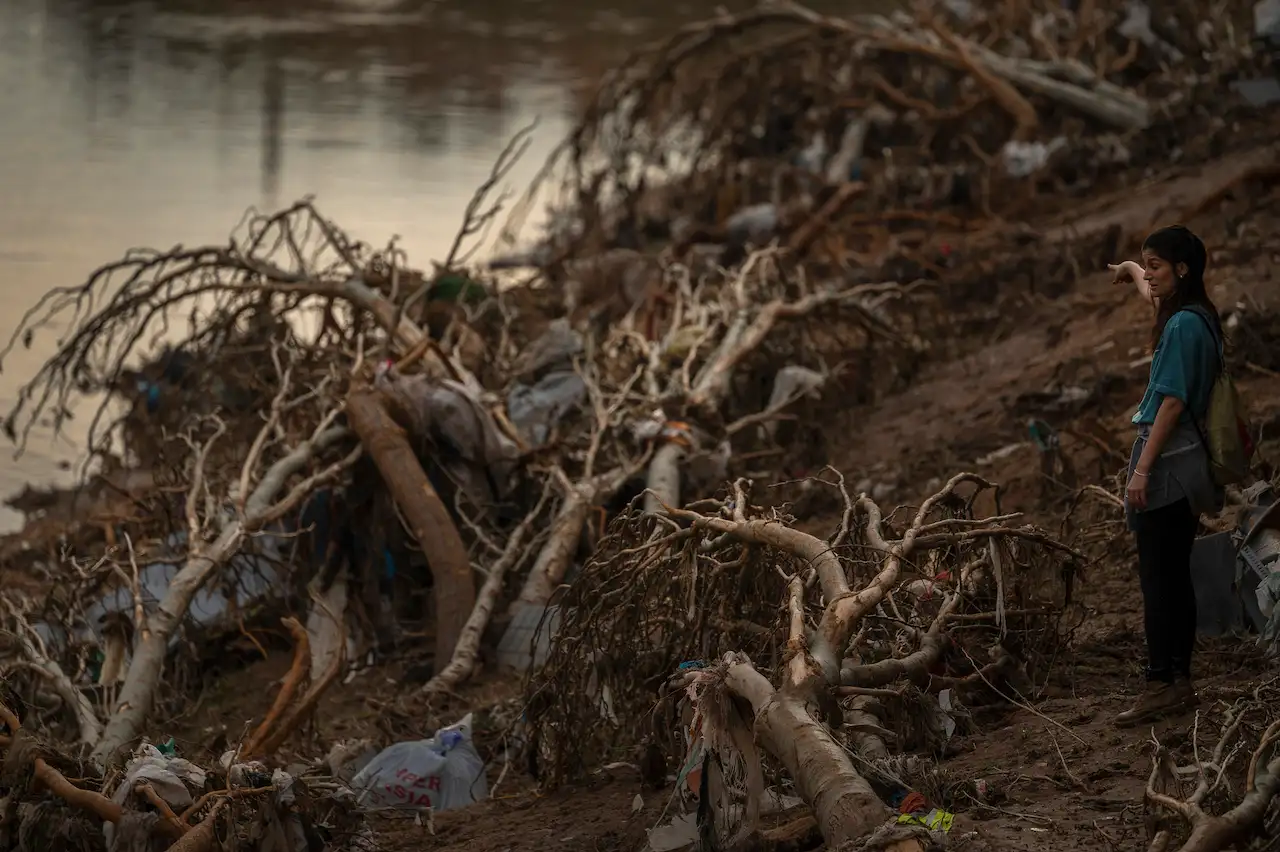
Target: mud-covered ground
x=1058 y=774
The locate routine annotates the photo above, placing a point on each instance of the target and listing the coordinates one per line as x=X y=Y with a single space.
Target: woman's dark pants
x=1165 y=537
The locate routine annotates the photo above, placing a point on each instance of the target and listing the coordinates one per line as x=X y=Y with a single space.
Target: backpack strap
x=1219 y=343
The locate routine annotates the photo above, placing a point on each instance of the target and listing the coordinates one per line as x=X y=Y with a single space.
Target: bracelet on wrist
x=1137 y=472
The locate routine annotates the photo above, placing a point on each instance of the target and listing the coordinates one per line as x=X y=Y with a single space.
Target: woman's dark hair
x=1177 y=245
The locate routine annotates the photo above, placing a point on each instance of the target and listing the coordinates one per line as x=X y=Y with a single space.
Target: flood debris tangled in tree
x=765 y=218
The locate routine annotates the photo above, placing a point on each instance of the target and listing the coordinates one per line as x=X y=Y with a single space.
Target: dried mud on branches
x=780 y=242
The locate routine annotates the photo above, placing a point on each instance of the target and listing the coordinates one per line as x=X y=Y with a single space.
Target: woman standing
x=1170 y=484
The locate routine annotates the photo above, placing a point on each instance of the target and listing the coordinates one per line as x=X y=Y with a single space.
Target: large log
x=428 y=518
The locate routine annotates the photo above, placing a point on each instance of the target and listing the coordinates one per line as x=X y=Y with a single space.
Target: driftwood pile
x=757 y=215
x=783 y=122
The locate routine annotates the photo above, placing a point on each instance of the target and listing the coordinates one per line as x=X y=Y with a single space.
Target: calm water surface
x=157 y=123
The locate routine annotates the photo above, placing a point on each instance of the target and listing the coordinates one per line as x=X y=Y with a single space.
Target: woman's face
x=1162 y=278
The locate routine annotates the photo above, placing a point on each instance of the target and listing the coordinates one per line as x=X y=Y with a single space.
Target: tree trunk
x=664 y=478
x=557 y=554
x=203 y=561
x=149 y=654
x=845 y=805
x=429 y=520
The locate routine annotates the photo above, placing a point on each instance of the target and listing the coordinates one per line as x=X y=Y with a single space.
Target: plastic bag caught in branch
x=173 y=779
x=554 y=348
x=535 y=410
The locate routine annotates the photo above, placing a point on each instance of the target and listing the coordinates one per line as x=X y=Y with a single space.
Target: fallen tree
x=428 y=519
x=690 y=584
x=238 y=478
x=834 y=132
x=645 y=374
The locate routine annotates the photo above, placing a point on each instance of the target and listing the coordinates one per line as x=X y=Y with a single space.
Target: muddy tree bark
x=428 y=518
x=557 y=554
x=843 y=802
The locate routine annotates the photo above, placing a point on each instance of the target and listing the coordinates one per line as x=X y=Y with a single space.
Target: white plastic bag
x=171 y=777
x=441 y=773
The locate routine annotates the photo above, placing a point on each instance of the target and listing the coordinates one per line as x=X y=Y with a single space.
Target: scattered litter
x=440 y=773
x=554 y=349
x=1137 y=27
x=755 y=225
x=516 y=644
x=345 y=760
x=1266 y=19
x=257 y=583
x=1260 y=92
x=680 y=832
x=1219 y=611
x=1002 y=453
x=944 y=716
x=914 y=809
x=1023 y=159
x=480 y=457
x=173 y=778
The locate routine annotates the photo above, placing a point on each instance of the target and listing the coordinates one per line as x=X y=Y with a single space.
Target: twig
x=303 y=708
x=203 y=837
x=292 y=681
x=149 y=793
x=473 y=218
x=1024 y=705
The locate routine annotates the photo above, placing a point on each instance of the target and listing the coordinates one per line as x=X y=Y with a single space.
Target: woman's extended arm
x=1166 y=420
x=1134 y=272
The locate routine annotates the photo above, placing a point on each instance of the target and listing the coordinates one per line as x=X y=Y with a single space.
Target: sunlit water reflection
x=156 y=123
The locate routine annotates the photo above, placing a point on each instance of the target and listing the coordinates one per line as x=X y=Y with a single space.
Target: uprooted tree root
x=727 y=592
x=247 y=425
x=1212 y=816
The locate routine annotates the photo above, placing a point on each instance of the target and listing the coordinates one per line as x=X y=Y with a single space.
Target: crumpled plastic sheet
x=136 y=832
x=281 y=829
x=172 y=778
x=1266 y=19
x=1268 y=593
x=535 y=410
x=1023 y=159
x=450 y=410
x=555 y=347
x=256 y=578
x=440 y=773
x=755 y=224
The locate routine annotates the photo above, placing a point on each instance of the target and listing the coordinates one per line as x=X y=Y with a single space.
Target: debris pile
x=159 y=797
x=780 y=122
x=689 y=591
x=297 y=435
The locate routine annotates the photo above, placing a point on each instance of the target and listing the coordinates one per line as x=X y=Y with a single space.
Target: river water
x=134 y=123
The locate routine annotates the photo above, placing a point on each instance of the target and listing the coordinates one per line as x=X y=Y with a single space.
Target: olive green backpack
x=1225 y=432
